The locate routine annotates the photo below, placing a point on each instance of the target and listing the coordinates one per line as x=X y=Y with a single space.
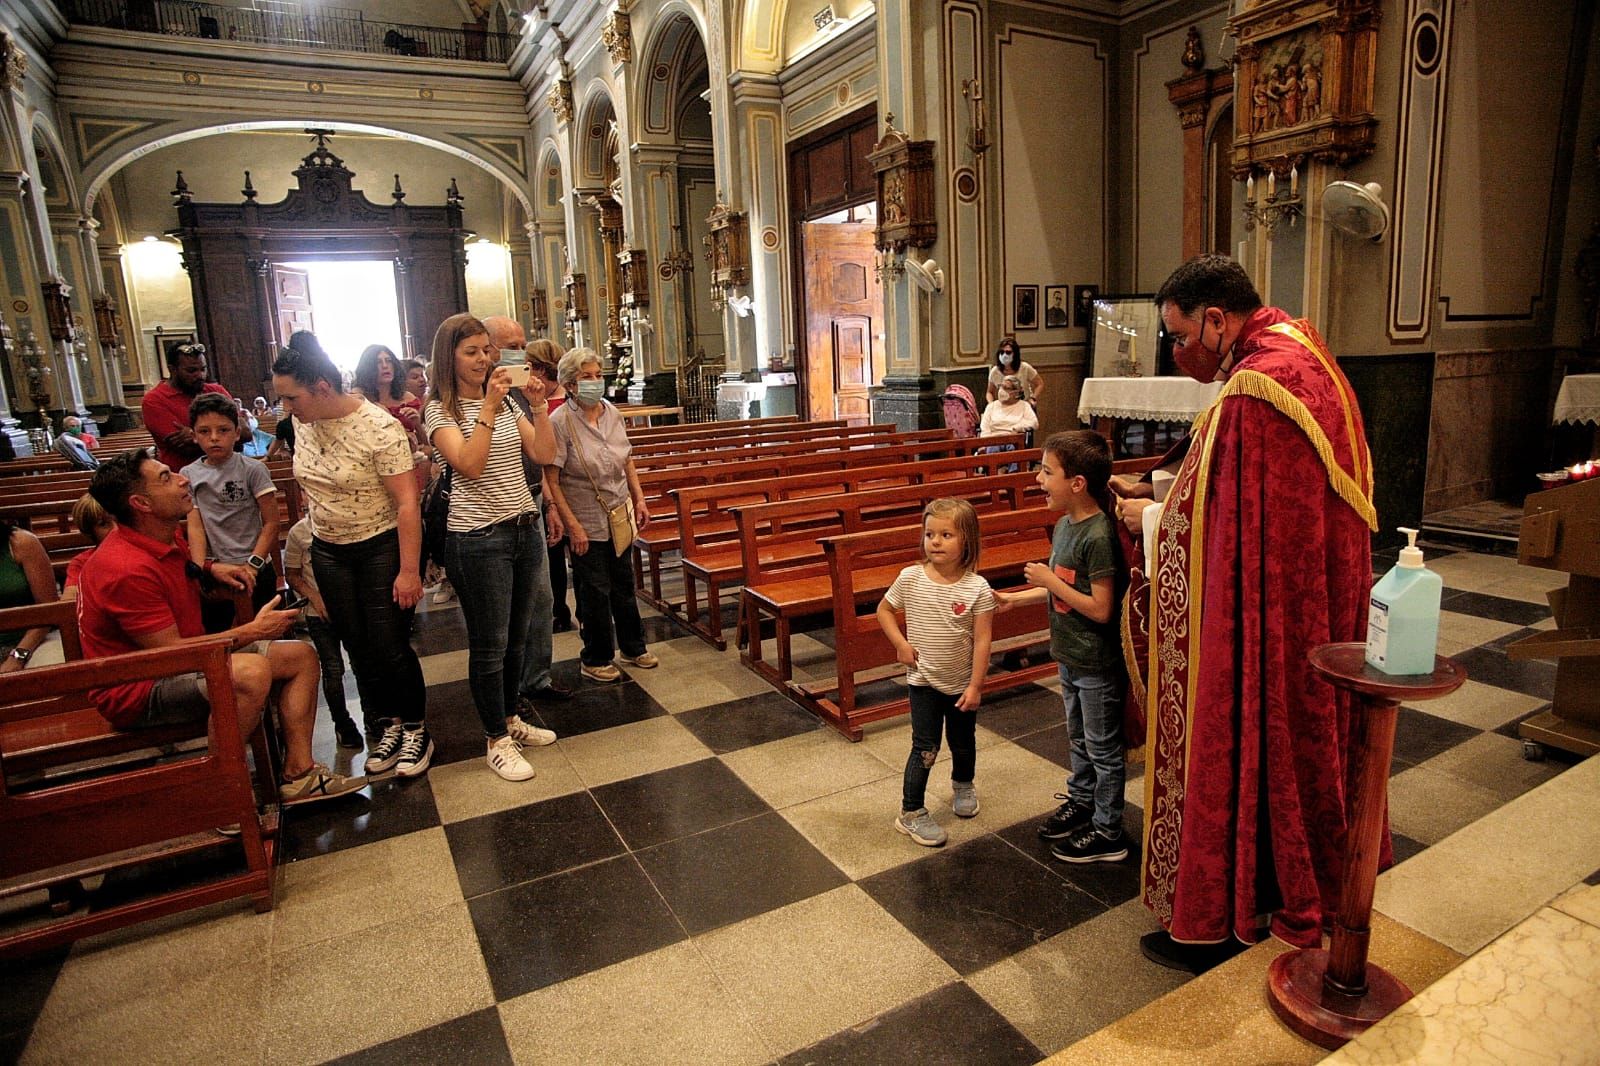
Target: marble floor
x=700 y=872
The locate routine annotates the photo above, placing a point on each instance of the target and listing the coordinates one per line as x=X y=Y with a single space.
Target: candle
x=1272 y=184
x=1294 y=180
x=1250 y=188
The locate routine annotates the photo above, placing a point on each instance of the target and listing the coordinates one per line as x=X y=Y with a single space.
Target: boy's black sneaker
x=1068 y=818
x=1087 y=845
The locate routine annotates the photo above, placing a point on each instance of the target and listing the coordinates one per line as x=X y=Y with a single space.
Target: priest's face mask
x=1193 y=356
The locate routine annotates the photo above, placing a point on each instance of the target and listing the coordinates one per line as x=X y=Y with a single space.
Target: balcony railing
x=333 y=29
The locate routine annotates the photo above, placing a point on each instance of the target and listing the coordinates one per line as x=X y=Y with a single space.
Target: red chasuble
x=1264 y=552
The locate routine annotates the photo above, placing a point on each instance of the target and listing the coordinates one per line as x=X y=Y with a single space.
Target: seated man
x=141 y=591
x=73 y=445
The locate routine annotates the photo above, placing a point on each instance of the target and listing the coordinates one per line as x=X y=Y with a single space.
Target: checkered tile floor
x=700 y=872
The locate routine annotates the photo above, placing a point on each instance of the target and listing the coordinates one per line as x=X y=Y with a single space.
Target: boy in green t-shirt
x=1081 y=583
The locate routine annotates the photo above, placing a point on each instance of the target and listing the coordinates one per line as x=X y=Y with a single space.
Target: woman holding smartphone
x=495 y=549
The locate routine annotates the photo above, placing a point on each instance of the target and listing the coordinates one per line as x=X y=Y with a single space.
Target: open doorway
x=348 y=304
x=844 y=355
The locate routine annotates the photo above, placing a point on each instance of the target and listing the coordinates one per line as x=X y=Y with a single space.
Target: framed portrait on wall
x=1024 y=307
x=1057 y=312
x=163 y=341
x=1083 y=298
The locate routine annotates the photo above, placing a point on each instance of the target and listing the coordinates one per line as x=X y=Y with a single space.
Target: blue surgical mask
x=590 y=392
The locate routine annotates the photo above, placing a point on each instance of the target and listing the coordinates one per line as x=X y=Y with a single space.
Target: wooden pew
x=707 y=533
x=862 y=566
x=713 y=430
x=779 y=449
x=60 y=828
x=785 y=434
x=785 y=570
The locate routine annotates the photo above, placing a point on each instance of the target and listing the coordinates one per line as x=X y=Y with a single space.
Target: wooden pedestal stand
x=1329 y=996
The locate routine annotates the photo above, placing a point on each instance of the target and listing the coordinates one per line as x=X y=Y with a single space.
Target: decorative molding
x=1423 y=92
x=616 y=36
x=13 y=63
x=560 y=100
x=904 y=170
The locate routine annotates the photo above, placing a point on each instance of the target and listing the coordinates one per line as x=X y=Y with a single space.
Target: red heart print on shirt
x=959 y=608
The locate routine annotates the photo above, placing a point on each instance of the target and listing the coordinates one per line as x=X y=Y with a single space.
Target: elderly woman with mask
x=1008 y=414
x=591 y=477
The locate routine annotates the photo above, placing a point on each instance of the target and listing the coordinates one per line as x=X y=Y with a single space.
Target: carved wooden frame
x=635 y=264
x=904 y=171
x=1328 y=107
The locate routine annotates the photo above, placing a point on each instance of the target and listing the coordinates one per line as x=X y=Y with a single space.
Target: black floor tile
x=386 y=808
x=27 y=983
x=1405 y=847
x=477 y=1038
x=1109 y=882
x=655 y=808
x=1050 y=743
x=594 y=705
x=129 y=883
x=1016 y=712
x=1498 y=608
x=1419 y=736
x=439 y=629
x=980 y=902
x=541 y=932
x=951 y=1025
x=740 y=870
x=659 y=628
x=509 y=847
x=453 y=722
x=1491 y=667
x=744 y=723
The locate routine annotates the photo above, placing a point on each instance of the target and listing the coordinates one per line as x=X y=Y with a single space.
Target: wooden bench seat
x=701 y=516
x=862 y=566
x=711 y=557
x=786 y=590
x=809 y=594
x=60 y=827
x=797 y=432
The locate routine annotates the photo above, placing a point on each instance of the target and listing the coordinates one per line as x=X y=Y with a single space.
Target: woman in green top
x=25 y=578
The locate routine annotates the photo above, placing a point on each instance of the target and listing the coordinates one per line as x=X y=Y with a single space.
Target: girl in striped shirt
x=949 y=613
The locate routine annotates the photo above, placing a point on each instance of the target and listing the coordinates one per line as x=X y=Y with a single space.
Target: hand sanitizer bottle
x=1403 y=622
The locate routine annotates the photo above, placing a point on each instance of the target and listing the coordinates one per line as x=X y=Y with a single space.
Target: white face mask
x=1006 y=358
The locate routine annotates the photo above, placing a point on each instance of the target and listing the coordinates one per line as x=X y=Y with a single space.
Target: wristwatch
x=22 y=655
x=256 y=563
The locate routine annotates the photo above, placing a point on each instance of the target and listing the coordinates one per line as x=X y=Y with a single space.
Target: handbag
x=436 y=519
x=619 y=519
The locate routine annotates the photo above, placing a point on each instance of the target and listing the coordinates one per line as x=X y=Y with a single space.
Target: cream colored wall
x=800 y=32
x=1157 y=164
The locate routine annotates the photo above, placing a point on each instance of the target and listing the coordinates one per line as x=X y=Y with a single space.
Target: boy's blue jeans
x=1094 y=725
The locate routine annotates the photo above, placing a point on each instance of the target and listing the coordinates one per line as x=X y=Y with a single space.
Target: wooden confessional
x=246 y=303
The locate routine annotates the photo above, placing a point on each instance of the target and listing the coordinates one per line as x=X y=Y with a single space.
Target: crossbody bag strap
x=594 y=485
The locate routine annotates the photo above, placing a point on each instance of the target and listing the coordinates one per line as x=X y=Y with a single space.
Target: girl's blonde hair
x=88 y=515
x=964 y=517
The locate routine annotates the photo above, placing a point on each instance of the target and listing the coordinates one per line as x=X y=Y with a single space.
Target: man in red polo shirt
x=139 y=590
x=166 y=407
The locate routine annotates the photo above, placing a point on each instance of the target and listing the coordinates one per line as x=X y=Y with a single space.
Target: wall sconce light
x=1277 y=207
x=978 y=133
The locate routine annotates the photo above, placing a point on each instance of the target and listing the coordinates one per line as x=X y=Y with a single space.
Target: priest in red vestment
x=1260 y=551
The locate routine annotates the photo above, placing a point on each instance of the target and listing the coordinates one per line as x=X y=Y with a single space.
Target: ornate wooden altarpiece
x=230 y=251
x=1304 y=73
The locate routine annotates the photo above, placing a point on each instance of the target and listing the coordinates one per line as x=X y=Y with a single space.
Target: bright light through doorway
x=353 y=305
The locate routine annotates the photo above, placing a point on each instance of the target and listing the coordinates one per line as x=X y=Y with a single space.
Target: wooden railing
x=320 y=28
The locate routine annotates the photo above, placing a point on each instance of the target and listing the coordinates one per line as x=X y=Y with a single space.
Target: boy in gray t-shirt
x=235 y=516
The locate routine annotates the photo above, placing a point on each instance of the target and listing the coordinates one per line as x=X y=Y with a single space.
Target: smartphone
x=519 y=374
x=290 y=600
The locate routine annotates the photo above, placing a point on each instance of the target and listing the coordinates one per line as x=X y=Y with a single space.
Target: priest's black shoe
x=1161 y=949
x=551 y=691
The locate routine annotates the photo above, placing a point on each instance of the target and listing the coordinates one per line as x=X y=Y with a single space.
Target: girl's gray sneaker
x=920 y=826
x=965 y=800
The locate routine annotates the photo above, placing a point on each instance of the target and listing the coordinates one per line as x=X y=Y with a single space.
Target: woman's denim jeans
x=499 y=574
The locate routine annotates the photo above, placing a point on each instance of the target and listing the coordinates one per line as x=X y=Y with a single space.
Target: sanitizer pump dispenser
x=1403 y=622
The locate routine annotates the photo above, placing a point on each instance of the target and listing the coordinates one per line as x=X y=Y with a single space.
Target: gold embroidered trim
x=1359 y=453
x=1259 y=386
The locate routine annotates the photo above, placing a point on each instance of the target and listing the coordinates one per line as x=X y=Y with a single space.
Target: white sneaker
x=505 y=759
x=528 y=735
x=444 y=593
